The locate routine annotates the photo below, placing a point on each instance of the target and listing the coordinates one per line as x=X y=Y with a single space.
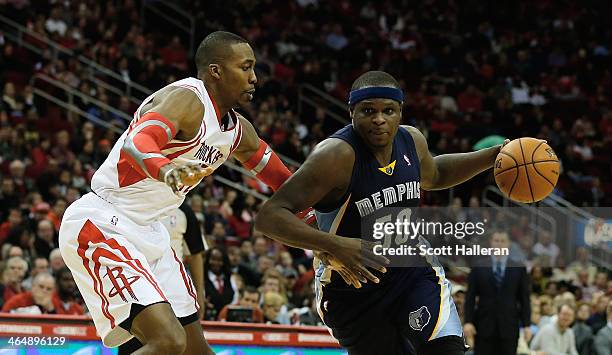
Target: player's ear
x=214 y=70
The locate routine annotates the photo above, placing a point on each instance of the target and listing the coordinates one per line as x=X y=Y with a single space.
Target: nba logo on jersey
x=407 y=160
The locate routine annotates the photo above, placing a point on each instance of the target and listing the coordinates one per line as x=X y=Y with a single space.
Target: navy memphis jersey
x=372 y=189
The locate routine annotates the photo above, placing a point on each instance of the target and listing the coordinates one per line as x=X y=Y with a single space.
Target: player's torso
x=373 y=188
x=375 y=193
x=145 y=199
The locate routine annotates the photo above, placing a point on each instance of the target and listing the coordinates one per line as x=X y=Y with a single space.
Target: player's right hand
x=177 y=176
x=353 y=256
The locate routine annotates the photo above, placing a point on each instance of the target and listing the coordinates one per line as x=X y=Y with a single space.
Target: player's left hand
x=185 y=175
x=348 y=277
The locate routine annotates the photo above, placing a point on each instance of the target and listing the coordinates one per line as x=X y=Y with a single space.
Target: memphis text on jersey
x=388 y=196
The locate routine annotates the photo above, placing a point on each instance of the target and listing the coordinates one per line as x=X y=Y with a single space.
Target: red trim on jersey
x=217 y=113
x=201 y=132
x=182 y=151
x=112 y=243
x=90 y=233
x=128 y=173
x=186 y=280
x=83 y=239
x=238 y=138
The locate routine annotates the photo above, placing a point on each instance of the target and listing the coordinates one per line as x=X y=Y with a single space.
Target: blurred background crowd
x=471 y=71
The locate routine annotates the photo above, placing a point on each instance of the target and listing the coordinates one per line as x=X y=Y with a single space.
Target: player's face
x=377 y=121
x=238 y=75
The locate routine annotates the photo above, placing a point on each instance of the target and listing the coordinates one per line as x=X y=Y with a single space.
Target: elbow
x=262 y=216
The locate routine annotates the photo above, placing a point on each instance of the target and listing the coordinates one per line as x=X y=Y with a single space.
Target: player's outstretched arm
x=171 y=112
x=326 y=172
x=448 y=170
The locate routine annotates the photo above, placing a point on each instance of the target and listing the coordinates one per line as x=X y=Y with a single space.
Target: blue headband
x=378 y=92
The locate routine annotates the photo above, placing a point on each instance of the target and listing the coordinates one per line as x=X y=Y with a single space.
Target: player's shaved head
x=215 y=48
x=375 y=78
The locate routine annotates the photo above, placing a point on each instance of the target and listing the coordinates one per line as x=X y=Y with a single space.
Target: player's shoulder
x=179 y=102
x=417 y=136
x=335 y=148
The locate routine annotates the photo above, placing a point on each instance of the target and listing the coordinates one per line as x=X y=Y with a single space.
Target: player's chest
x=211 y=146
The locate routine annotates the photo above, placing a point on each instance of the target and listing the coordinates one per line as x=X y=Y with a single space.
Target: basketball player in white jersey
x=112 y=239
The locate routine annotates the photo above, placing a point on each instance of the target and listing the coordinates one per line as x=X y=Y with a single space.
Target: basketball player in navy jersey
x=405 y=309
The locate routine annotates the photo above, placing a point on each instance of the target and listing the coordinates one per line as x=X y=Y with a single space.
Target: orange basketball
x=526 y=170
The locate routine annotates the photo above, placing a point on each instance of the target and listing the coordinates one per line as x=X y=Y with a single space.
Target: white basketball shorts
x=116 y=262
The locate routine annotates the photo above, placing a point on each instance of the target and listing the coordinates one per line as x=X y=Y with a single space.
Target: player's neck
x=382 y=154
x=222 y=107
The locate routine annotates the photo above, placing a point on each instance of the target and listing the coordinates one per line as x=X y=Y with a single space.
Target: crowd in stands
x=470 y=70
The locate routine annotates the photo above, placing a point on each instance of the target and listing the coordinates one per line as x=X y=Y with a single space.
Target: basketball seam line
x=545 y=178
x=526 y=172
x=536 y=169
x=515 y=177
x=532 y=163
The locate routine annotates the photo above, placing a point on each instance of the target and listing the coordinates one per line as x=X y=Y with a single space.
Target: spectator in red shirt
x=12 y=277
x=41 y=300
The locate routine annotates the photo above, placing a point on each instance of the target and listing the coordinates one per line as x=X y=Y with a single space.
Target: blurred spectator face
x=43 y=286
x=8 y=186
x=260 y=247
x=233 y=254
x=250 y=299
x=16 y=267
x=546 y=306
x=601 y=280
x=40 y=265
x=272 y=305
x=66 y=283
x=286 y=259
x=551 y=289
x=45 y=230
x=264 y=263
x=500 y=240
x=15 y=251
x=602 y=304
x=246 y=249
x=582 y=255
x=41 y=209
x=545 y=238
x=15 y=218
x=216 y=261
x=271 y=284
x=56 y=261
x=218 y=230
x=565 y=317
x=59 y=207
x=62 y=139
x=9 y=89
x=584 y=312
x=17 y=169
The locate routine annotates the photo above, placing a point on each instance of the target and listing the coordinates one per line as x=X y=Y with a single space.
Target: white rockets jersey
x=145 y=200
